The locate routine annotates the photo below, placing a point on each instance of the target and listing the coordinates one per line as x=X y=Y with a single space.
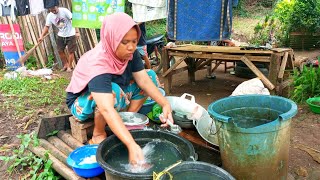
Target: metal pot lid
x=133 y=118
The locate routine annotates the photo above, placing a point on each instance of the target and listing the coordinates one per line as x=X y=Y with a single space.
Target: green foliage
x=22 y=160
x=53 y=133
x=305 y=16
x=156 y=27
x=240 y=10
x=23 y=93
x=298 y=15
x=2 y=61
x=306 y=84
x=50 y=62
x=31 y=62
x=289 y=15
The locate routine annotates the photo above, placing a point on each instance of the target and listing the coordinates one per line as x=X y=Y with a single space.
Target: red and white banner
x=9 y=47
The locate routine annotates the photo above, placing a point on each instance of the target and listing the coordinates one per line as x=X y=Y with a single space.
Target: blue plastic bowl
x=148 y=104
x=84 y=170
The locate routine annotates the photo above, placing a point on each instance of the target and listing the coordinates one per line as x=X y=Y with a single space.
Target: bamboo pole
x=57 y=165
x=60 y=145
x=14 y=36
x=69 y=139
x=29 y=38
x=35 y=41
x=36 y=29
x=53 y=150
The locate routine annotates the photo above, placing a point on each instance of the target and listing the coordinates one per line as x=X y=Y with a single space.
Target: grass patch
x=156 y=27
x=27 y=95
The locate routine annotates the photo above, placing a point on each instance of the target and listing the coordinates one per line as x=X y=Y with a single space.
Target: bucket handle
x=192 y=99
x=213 y=124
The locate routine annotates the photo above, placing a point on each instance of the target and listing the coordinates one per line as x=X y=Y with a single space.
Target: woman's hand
x=167 y=115
x=135 y=154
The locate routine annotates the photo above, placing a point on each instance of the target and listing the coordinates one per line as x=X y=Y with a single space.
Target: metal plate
x=133 y=119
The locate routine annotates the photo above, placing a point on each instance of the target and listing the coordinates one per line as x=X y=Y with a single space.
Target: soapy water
x=158 y=153
x=88 y=160
x=142 y=166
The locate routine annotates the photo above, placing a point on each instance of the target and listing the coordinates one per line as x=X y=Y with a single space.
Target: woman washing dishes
x=110 y=78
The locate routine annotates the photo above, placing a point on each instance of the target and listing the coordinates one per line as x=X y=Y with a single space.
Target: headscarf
x=102 y=59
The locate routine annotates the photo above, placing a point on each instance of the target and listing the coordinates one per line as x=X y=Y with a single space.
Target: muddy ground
x=305 y=125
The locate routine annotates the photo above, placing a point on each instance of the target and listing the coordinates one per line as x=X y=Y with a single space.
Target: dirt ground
x=305 y=125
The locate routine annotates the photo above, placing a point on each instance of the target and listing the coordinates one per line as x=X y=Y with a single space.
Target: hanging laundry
x=36 y=7
x=23 y=7
x=50 y=3
x=8 y=8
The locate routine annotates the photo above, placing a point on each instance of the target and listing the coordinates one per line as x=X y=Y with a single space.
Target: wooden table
x=280 y=63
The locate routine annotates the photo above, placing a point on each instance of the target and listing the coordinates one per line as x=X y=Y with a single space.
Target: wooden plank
x=258 y=73
x=283 y=65
x=216 y=66
x=49 y=124
x=199 y=61
x=57 y=165
x=274 y=69
x=166 y=65
x=221 y=56
x=291 y=60
x=64 y=148
x=175 y=65
x=200 y=66
x=191 y=69
x=217 y=49
x=53 y=150
x=176 y=71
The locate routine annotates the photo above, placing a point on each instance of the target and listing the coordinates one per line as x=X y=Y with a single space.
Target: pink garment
x=102 y=59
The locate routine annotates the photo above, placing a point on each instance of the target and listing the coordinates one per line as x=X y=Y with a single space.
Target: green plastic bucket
x=254 y=135
x=314 y=104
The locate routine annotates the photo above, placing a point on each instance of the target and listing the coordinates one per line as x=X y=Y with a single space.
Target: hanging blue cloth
x=197 y=20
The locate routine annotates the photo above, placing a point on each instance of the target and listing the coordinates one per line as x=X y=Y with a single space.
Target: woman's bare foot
x=97 y=139
x=69 y=70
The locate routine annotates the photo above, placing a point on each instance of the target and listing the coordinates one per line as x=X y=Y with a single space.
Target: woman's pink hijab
x=102 y=59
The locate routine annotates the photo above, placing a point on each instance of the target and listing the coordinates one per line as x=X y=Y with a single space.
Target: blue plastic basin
x=85 y=170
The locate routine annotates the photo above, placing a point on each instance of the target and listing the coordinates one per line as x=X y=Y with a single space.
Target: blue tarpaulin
x=200 y=20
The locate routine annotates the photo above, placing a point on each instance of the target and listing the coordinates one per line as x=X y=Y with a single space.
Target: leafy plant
x=305 y=16
x=22 y=160
x=50 y=62
x=31 y=62
x=2 y=61
x=53 y=133
x=306 y=84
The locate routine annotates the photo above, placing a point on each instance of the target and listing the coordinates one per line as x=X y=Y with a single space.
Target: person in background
x=142 y=45
x=111 y=78
x=67 y=35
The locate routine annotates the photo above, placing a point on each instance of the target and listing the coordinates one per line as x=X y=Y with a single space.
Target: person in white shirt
x=67 y=35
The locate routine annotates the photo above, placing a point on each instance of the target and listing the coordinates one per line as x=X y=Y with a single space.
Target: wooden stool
x=81 y=130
